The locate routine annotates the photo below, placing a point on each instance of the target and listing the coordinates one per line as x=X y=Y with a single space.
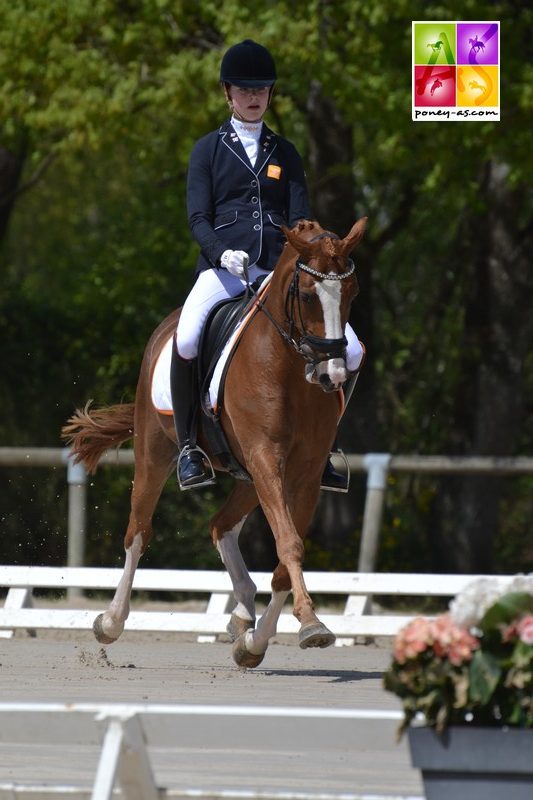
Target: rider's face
x=249 y=104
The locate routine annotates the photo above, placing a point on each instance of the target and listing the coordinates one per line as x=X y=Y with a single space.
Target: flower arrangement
x=472 y=665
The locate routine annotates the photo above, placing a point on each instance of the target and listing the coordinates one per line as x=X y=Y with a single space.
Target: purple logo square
x=478 y=42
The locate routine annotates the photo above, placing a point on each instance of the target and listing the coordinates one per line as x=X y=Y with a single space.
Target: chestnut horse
x=280 y=413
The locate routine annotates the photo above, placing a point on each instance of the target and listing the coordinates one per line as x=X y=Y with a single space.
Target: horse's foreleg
x=289 y=522
x=225 y=528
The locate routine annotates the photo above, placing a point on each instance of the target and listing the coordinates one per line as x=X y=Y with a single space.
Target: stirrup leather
x=208 y=481
x=340 y=453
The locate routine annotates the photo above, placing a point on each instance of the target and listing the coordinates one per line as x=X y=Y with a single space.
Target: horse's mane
x=307 y=226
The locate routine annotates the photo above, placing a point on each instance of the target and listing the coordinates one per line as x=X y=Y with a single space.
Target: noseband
x=313 y=349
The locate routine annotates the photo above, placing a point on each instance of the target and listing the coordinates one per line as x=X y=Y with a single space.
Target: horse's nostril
x=326 y=383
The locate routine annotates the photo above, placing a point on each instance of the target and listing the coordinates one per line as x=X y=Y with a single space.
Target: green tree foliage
x=100 y=104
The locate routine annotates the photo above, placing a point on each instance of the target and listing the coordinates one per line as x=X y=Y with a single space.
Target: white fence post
x=124 y=755
x=377 y=466
x=77 y=504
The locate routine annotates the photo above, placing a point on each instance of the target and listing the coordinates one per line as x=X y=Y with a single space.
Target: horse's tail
x=90 y=432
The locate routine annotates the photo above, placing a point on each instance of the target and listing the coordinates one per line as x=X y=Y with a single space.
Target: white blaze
x=329 y=294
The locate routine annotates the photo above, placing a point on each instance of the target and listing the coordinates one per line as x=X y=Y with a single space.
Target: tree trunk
x=334 y=197
x=489 y=407
x=10 y=173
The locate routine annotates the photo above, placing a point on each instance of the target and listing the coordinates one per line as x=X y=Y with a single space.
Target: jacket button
x=255 y=199
x=257 y=227
x=253 y=183
x=255 y=214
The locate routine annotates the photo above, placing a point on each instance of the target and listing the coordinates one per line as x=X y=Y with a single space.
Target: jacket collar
x=267 y=145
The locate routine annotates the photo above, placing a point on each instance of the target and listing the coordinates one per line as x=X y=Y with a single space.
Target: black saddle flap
x=218 y=327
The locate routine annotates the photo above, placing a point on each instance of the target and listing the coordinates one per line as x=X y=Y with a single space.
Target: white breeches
x=214 y=285
x=354 y=349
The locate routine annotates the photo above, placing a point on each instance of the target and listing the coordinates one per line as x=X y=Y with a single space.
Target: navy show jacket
x=234 y=206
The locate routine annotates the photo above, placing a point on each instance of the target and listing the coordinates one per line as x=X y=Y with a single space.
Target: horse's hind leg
x=255 y=642
x=225 y=528
x=150 y=476
x=108 y=626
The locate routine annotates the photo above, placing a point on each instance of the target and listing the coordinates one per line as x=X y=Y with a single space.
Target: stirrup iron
x=343 y=490
x=208 y=481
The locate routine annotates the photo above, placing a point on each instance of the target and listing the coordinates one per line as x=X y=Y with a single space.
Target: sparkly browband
x=327 y=276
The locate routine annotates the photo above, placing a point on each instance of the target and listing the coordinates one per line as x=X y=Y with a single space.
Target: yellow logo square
x=477 y=86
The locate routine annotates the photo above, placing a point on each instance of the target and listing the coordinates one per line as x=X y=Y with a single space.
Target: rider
x=243 y=183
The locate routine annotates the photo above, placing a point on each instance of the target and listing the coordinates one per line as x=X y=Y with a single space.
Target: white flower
x=470 y=605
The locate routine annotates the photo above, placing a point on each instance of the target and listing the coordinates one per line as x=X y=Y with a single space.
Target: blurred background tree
x=100 y=103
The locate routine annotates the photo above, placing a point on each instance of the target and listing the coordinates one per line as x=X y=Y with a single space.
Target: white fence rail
x=376 y=465
x=351 y=588
x=127 y=735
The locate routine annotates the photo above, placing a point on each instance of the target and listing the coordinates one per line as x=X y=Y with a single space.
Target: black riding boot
x=192 y=467
x=332 y=480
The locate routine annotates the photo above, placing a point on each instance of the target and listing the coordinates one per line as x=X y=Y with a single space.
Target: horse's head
x=319 y=295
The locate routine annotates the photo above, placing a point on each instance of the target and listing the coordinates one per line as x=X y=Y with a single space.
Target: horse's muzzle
x=329 y=375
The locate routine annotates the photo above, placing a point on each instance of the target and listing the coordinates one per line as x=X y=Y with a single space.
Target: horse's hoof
x=243 y=657
x=315 y=635
x=100 y=634
x=237 y=626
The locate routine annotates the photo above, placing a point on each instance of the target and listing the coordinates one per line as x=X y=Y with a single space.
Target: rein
x=313 y=349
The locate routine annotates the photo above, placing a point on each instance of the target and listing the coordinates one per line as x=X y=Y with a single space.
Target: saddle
x=223 y=320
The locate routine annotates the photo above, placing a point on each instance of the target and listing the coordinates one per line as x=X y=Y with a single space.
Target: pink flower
x=525 y=629
x=413 y=639
x=441 y=634
x=452 y=642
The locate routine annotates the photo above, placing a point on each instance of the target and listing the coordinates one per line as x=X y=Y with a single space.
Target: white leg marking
x=329 y=294
x=256 y=641
x=244 y=588
x=114 y=618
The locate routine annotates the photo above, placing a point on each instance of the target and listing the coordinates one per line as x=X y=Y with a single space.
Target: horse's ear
x=351 y=241
x=302 y=247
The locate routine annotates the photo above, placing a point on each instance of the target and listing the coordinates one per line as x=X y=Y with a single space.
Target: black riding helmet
x=248 y=65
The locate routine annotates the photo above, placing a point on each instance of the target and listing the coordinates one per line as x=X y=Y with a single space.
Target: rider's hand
x=235 y=261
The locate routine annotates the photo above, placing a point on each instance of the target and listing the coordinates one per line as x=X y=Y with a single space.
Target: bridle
x=313 y=349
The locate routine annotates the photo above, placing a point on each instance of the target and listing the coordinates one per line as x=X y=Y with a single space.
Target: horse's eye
x=307 y=297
